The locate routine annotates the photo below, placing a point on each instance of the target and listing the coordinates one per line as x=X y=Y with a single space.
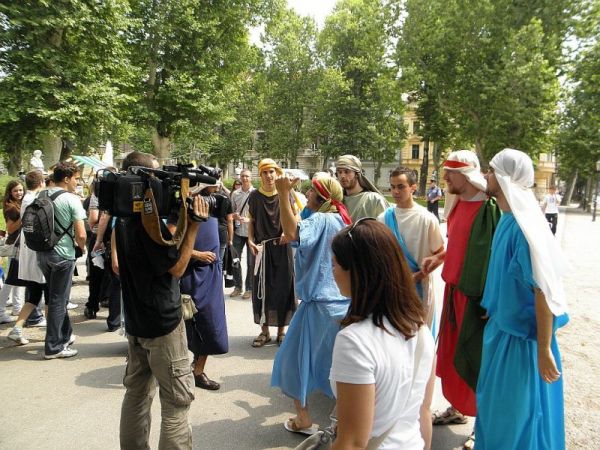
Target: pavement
x=75 y=403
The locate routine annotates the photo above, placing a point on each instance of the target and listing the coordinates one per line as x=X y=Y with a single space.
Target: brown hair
x=8 y=200
x=411 y=175
x=136 y=158
x=381 y=282
x=34 y=179
x=65 y=169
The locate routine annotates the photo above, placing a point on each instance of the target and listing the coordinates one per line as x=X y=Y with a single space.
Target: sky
x=317 y=9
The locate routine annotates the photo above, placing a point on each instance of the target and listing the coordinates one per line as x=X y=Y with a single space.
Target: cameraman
x=158 y=351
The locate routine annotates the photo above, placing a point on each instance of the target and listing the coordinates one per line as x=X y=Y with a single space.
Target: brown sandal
x=280 y=338
x=261 y=339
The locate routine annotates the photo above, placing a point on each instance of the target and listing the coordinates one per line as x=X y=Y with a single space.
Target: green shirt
x=365 y=204
x=67 y=209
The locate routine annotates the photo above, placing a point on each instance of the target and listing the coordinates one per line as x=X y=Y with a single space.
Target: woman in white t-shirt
x=377 y=374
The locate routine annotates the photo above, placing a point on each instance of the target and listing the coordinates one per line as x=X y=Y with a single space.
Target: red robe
x=455 y=390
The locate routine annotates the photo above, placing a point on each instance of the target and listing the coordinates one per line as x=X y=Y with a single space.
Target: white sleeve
x=352 y=361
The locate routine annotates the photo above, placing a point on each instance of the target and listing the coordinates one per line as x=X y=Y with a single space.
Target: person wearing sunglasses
x=302 y=363
x=383 y=356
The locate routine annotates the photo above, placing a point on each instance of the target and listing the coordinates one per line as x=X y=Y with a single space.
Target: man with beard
x=471 y=223
x=361 y=197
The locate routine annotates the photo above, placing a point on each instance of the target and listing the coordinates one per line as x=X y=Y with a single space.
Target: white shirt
x=551 y=202
x=366 y=354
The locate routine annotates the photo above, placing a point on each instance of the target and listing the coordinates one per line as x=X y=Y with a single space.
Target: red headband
x=451 y=164
x=342 y=210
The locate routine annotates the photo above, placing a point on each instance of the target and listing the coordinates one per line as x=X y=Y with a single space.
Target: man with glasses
x=239 y=200
x=361 y=197
x=472 y=219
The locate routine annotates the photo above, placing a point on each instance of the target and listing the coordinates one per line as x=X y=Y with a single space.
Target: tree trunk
x=437 y=156
x=424 y=168
x=585 y=202
x=52 y=150
x=162 y=146
x=14 y=162
x=479 y=151
x=566 y=200
x=377 y=173
x=65 y=149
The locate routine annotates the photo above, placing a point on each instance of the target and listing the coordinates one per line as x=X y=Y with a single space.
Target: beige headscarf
x=331 y=191
x=467 y=163
x=351 y=162
x=513 y=170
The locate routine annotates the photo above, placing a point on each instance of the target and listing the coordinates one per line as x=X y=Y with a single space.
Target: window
x=415 y=151
x=416 y=126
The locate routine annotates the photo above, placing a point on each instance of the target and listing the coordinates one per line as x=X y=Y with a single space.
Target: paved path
x=75 y=403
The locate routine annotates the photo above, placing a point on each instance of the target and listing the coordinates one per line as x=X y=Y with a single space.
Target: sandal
x=261 y=340
x=470 y=443
x=450 y=416
x=291 y=426
x=280 y=339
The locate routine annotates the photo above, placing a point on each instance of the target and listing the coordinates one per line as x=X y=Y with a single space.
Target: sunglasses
x=353 y=226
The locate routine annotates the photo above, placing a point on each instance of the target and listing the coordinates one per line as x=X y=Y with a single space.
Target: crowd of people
x=348 y=274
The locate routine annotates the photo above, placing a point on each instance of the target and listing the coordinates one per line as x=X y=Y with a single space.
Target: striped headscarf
x=351 y=162
x=331 y=191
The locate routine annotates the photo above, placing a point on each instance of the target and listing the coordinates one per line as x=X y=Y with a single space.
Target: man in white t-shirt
x=550 y=207
x=419 y=235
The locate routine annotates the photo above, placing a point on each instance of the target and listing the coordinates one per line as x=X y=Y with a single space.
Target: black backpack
x=38 y=223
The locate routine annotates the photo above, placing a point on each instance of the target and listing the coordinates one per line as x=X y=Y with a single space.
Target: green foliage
x=489 y=66
x=65 y=68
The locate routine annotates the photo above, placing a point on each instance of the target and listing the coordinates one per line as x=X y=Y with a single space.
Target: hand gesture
x=206 y=257
x=285 y=185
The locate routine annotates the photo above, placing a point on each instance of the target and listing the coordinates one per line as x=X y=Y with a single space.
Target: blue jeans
x=59 y=277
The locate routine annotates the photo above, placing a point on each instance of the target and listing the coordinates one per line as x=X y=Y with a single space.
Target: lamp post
x=596 y=194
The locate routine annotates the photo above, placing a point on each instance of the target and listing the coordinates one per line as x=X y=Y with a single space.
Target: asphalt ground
x=75 y=403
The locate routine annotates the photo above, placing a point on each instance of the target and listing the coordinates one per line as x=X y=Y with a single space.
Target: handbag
x=188 y=307
x=323 y=439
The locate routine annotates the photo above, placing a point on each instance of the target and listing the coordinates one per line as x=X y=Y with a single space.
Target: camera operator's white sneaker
x=5 y=318
x=66 y=353
x=72 y=305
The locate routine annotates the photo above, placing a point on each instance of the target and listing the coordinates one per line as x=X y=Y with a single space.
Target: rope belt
x=259 y=271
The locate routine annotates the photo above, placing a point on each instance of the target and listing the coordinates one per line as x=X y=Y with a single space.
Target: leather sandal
x=203 y=382
x=450 y=416
x=280 y=338
x=261 y=340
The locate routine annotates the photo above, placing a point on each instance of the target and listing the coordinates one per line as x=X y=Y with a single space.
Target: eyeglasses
x=364 y=219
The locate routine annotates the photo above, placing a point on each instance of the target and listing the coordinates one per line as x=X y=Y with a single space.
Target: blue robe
x=516 y=409
x=303 y=362
x=207 y=333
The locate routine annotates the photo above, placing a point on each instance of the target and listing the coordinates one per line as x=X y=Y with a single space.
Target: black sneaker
x=89 y=313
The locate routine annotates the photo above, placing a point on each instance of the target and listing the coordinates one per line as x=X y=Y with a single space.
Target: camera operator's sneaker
x=5 y=318
x=72 y=305
x=66 y=353
x=71 y=340
x=236 y=293
x=16 y=334
x=40 y=324
x=247 y=295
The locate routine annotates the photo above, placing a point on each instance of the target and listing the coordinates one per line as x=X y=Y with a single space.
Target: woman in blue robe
x=303 y=362
x=203 y=281
x=516 y=408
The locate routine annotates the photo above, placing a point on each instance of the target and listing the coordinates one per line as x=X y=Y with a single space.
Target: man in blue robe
x=519 y=392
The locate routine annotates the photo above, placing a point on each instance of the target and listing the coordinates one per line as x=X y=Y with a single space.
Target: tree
x=363 y=114
x=291 y=75
x=187 y=52
x=491 y=65
x=63 y=68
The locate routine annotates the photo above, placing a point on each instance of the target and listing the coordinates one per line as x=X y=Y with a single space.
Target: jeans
x=114 y=301
x=238 y=243
x=95 y=275
x=58 y=273
x=33 y=295
x=163 y=360
x=552 y=221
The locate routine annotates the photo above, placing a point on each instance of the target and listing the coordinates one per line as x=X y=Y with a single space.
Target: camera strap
x=152 y=221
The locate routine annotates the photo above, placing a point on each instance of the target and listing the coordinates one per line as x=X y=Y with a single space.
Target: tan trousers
x=163 y=360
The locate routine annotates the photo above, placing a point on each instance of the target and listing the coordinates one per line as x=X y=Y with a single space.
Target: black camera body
x=122 y=193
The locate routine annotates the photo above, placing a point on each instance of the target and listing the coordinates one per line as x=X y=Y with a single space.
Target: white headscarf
x=513 y=170
x=467 y=163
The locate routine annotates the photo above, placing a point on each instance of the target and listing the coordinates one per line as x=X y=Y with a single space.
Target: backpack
x=38 y=223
